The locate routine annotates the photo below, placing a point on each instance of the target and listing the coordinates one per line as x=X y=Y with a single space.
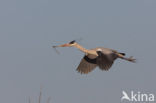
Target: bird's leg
x=131 y=59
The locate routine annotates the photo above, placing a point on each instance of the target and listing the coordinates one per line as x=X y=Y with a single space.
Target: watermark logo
x=137 y=97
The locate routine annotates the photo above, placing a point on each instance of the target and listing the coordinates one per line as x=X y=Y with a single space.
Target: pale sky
x=30 y=27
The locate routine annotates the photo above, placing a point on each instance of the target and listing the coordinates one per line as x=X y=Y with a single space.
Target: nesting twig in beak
x=56 y=49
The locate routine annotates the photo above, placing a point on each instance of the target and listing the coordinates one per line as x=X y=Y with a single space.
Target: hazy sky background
x=28 y=29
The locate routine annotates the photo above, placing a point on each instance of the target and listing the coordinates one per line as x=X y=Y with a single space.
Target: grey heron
x=100 y=56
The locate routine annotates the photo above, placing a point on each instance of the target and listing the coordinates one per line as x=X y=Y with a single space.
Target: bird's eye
x=72 y=42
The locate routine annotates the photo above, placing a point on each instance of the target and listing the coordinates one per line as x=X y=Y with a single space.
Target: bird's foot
x=131 y=59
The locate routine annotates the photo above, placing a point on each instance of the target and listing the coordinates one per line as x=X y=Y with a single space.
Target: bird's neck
x=81 y=48
x=86 y=51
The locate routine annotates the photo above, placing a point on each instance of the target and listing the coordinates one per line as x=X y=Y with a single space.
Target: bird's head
x=70 y=44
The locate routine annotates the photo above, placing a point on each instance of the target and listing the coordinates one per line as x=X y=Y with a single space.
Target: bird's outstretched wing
x=86 y=65
x=105 y=61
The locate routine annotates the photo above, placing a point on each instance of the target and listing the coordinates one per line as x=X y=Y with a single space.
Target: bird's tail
x=131 y=59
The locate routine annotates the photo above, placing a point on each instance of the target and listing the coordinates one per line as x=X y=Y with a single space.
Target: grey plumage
x=101 y=57
x=104 y=60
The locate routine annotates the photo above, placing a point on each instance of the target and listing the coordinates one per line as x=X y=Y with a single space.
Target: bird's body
x=104 y=60
x=101 y=57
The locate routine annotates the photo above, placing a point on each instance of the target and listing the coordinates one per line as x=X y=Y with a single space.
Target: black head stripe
x=72 y=42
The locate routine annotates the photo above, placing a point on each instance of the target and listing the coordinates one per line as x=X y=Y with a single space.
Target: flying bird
x=100 y=56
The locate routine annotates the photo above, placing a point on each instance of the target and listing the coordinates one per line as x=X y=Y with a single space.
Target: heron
x=97 y=57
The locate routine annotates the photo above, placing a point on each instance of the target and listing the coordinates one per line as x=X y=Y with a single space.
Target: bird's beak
x=64 y=45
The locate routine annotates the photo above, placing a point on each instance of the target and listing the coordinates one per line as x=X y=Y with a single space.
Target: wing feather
x=86 y=66
x=104 y=61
